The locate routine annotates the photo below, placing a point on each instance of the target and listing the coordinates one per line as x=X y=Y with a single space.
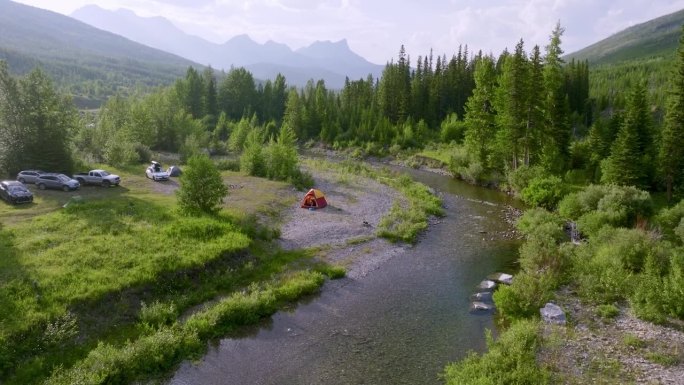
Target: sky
x=376 y=29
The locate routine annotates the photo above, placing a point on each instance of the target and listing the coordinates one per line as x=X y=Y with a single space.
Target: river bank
x=401 y=313
x=592 y=347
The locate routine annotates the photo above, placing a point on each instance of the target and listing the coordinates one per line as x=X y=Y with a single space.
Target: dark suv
x=15 y=192
x=29 y=176
x=57 y=181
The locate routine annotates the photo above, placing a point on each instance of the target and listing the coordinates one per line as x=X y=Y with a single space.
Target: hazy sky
x=376 y=29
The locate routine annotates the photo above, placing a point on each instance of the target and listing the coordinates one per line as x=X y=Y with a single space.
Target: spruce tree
x=511 y=99
x=671 y=155
x=627 y=163
x=556 y=140
x=480 y=114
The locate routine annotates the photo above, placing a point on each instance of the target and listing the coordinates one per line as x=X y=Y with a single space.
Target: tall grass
x=159 y=351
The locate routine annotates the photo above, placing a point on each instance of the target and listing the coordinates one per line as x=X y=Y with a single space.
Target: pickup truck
x=100 y=177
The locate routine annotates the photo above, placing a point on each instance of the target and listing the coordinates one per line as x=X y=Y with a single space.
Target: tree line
x=503 y=115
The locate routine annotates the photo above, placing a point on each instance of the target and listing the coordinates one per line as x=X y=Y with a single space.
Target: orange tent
x=314 y=198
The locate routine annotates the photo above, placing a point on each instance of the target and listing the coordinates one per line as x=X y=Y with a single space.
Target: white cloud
x=376 y=29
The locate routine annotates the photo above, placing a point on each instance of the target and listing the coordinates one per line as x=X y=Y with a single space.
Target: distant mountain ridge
x=655 y=38
x=91 y=63
x=330 y=61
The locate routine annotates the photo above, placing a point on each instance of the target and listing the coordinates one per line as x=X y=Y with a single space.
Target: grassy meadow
x=118 y=270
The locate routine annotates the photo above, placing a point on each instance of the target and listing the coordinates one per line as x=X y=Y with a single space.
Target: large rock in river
x=487 y=284
x=481 y=307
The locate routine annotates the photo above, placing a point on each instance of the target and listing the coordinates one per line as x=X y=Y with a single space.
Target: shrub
x=577 y=204
x=671 y=222
x=452 y=129
x=473 y=173
x=535 y=219
x=543 y=192
x=528 y=293
x=158 y=314
x=607 y=270
x=607 y=311
x=510 y=360
x=253 y=160
x=202 y=189
x=520 y=178
x=144 y=153
x=598 y=206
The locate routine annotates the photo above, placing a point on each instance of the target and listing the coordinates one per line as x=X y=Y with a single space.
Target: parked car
x=57 y=181
x=155 y=172
x=15 y=192
x=100 y=177
x=29 y=176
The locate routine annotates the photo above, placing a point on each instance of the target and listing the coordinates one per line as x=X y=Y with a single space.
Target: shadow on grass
x=16 y=286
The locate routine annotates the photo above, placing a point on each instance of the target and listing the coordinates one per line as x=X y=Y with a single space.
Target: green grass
x=157 y=352
x=663 y=359
x=442 y=154
x=121 y=269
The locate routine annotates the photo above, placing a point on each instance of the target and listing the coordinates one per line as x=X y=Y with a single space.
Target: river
x=399 y=324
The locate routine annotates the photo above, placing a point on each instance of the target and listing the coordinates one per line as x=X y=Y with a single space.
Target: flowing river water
x=399 y=324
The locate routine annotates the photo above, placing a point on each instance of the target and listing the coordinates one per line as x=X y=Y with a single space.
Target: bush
x=202 y=189
x=158 y=314
x=535 y=219
x=510 y=360
x=520 y=178
x=474 y=173
x=528 y=293
x=253 y=160
x=599 y=206
x=607 y=269
x=144 y=153
x=577 y=204
x=452 y=129
x=671 y=222
x=607 y=311
x=543 y=192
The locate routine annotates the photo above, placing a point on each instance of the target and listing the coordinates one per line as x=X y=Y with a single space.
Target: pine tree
x=534 y=108
x=511 y=100
x=671 y=156
x=627 y=163
x=480 y=114
x=556 y=140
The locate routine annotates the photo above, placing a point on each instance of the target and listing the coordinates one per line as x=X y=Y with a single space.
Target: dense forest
x=504 y=120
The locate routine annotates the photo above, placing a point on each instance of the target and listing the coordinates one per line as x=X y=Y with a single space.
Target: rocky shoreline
x=587 y=349
x=618 y=350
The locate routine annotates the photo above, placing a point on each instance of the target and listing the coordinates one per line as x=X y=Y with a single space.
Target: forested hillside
x=645 y=51
x=86 y=62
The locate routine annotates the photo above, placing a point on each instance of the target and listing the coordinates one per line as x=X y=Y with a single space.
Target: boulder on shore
x=553 y=314
x=503 y=278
